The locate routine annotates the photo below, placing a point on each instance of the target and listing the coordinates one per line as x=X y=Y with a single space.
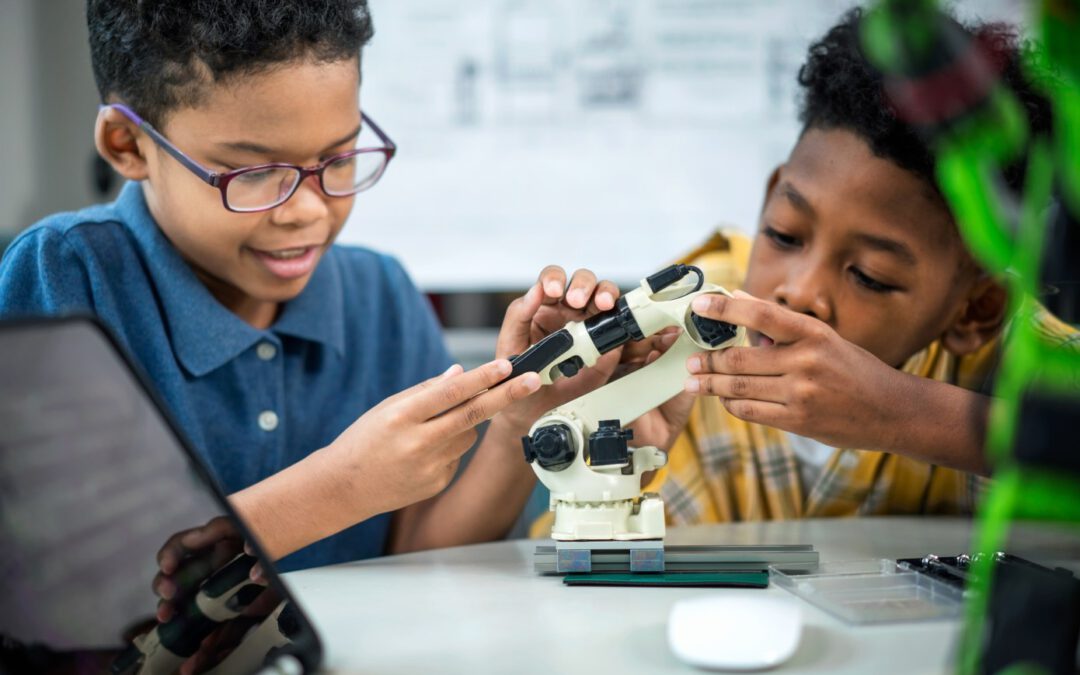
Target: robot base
x=625 y=520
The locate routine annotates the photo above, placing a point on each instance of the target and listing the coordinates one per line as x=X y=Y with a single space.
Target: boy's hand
x=548 y=306
x=809 y=381
x=189 y=557
x=186 y=560
x=661 y=425
x=406 y=449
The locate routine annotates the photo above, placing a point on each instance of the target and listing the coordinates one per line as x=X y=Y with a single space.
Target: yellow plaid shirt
x=722 y=468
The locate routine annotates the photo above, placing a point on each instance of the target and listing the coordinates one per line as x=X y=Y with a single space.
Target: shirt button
x=268 y=420
x=266 y=351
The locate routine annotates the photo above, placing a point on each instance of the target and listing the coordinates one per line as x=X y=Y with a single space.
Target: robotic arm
x=580 y=450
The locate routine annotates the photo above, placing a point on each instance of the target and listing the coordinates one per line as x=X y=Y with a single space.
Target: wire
x=673 y=274
x=700 y=277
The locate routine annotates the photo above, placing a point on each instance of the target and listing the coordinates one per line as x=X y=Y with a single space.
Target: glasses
x=265 y=186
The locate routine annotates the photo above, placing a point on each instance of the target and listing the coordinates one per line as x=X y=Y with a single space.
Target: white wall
x=611 y=134
x=18 y=165
x=47 y=108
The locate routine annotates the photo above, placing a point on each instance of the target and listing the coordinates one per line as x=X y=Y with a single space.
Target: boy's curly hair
x=158 y=55
x=842 y=90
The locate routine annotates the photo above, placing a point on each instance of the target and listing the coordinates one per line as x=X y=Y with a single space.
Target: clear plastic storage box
x=872 y=591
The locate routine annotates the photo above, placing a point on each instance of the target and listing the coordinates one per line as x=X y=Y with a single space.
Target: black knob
x=713 y=332
x=551 y=447
x=607 y=445
x=571 y=366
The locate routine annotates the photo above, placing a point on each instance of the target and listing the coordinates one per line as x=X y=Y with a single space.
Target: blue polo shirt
x=251 y=401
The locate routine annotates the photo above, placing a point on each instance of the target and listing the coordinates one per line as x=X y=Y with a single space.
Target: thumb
x=676 y=412
x=515 y=333
x=408 y=393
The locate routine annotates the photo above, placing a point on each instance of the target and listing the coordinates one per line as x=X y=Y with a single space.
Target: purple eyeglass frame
x=221 y=180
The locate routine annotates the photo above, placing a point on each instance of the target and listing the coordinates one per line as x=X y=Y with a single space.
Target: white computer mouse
x=735 y=631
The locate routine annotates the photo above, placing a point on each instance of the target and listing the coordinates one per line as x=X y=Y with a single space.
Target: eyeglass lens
x=265 y=188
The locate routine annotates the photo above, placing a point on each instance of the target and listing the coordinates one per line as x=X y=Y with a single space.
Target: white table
x=482 y=609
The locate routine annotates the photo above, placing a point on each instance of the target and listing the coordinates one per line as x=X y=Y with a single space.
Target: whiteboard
x=609 y=134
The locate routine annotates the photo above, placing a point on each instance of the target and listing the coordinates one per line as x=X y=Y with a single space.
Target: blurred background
x=609 y=134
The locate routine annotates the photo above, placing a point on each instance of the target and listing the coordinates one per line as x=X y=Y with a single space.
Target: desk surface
x=480 y=609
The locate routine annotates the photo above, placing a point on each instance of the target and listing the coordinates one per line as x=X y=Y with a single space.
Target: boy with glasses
x=292 y=364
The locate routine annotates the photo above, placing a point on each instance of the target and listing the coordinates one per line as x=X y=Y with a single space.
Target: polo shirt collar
x=317 y=313
x=204 y=334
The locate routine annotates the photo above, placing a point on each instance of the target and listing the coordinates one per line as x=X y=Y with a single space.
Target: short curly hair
x=842 y=90
x=159 y=55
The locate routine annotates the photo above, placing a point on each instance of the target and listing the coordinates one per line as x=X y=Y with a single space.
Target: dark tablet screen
x=94 y=480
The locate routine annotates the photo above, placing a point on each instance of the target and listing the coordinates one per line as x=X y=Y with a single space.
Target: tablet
x=95 y=478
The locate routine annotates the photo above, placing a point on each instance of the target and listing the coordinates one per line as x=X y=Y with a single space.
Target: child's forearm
x=940 y=424
x=481 y=505
x=400 y=452
x=302 y=504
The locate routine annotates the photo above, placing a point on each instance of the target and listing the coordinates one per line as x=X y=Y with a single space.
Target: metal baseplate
x=645 y=555
x=652 y=556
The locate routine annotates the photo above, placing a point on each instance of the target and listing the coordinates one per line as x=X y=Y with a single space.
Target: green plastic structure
x=906 y=40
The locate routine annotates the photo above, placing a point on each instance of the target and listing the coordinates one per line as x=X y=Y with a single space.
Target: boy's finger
x=637 y=350
x=183 y=543
x=759 y=388
x=582 y=285
x=214 y=531
x=171 y=553
x=515 y=333
x=759 y=412
x=452 y=467
x=588 y=379
x=164 y=586
x=411 y=391
x=604 y=297
x=485 y=406
x=165 y=611
x=663 y=340
x=189 y=577
x=780 y=324
x=449 y=392
x=553 y=281
x=771 y=360
x=257 y=575
x=677 y=412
